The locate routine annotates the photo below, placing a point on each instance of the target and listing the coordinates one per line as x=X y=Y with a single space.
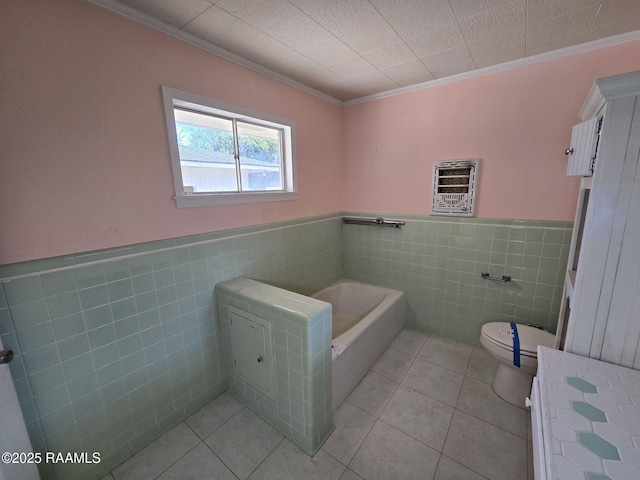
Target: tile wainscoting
x=115 y=347
x=437 y=262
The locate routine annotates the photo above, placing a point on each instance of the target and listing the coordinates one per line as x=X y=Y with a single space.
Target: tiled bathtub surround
x=437 y=263
x=300 y=407
x=112 y=350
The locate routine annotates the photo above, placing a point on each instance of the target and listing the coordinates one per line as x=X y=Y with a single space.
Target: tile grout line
x=267 y=456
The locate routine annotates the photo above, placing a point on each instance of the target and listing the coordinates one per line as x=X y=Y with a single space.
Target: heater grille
x=454 y=186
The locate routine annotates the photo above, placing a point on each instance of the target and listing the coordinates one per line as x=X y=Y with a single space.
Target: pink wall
x=85 y=160
x=518 y=122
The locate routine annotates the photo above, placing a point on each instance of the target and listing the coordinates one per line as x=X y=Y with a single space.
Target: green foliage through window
x=265 y=149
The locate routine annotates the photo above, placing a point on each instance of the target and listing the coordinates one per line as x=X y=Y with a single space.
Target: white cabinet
x=603 y=282
x=583 y=149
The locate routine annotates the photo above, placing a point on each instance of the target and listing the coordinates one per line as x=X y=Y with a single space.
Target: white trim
x=148 y=20
x=172 y=98
x=209 y=199
x=620 y=86
x=175 y=32
x=609 y=88
x=593 y=103
x=521 y=62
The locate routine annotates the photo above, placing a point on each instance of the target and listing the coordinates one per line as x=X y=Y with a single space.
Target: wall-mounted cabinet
x=601 y=313
x=584 y=147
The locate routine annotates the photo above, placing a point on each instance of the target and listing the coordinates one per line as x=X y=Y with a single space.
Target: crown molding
x=148 y=20
x=609 y=88
x=175 y=32
x=521 y=62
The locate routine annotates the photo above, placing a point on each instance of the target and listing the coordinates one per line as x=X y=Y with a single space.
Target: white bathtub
x=366 y=319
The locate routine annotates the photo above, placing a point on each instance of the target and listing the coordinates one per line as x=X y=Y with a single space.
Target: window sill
x=210 y=199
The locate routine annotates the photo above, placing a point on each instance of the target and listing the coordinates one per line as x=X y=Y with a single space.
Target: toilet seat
x=500 y=335
x=515 y=371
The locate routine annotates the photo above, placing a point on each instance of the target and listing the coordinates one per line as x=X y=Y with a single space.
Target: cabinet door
x=582 y=153
x=251 y=347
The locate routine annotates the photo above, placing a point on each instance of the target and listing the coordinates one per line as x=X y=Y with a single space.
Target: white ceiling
x=349 y=49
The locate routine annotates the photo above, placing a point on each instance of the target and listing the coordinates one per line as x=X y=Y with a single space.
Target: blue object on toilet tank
x=516 y=345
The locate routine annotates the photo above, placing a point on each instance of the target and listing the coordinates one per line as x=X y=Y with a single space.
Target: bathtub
x=366 y=319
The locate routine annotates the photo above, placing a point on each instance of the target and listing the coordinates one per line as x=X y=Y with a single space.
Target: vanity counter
x=585 y=418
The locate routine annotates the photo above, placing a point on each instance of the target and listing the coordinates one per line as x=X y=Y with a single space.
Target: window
x=223 y=154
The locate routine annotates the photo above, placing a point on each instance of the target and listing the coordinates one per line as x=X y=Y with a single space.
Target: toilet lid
x=530 y=337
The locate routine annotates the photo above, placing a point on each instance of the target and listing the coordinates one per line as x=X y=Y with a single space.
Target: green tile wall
x=437 y=262
x=115 y=347
x=300 y=407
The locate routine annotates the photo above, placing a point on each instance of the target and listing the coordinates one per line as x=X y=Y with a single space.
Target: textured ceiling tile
x=219 y=27
x=613 y=11
x=492 y=22
x=381 y=39
x=385 y=7
x=378 y=89
x=318 y=76
x=451 y=70
x=262 y=15
x=436 y=40
x=343 y=91
x=338 y=16
x=410 y=73
x=421 y=17
x=409 y=81
x=489 y=60
x=542 y=10
x=511 y=41
x=615 y=18
x=329 y=52
x=174 y=12
x=352 y=68
x=268 y=52
x=602 y=31
x=315 y=77
x=403 y=71
x=372 y=79
x=441 y=60
x=468 y=8
x=370 y=36
x=303 y=68
x=391 y=55
x=575 y=24
x=299 y=32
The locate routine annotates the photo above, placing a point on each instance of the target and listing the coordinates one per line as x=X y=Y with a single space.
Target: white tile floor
x=426 y=410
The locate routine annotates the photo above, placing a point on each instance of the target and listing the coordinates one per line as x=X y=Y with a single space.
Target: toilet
x=516 y=369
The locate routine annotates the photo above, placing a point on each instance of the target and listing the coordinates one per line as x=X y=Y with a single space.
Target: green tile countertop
x=590 y=417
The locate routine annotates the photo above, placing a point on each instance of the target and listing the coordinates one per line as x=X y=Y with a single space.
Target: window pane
x=205 y=143
x=260 y=157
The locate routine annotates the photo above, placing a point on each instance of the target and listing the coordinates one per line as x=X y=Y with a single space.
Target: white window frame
x=173 y=98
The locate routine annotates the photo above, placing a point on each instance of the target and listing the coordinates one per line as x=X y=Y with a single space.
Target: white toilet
x=513 y=383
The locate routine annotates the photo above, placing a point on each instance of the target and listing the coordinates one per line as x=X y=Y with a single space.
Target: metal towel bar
x=503 y=279
x=379 y=221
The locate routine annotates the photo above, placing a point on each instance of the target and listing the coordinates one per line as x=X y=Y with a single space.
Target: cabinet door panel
x=584 y=139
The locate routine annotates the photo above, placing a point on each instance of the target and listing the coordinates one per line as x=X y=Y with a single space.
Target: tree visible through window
x=219 y=154
x=223 y=154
